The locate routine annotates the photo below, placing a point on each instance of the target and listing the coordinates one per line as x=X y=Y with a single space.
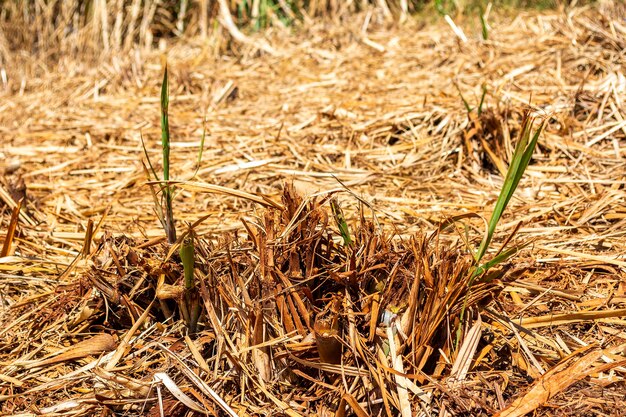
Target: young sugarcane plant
x=189 y=305
x=164 y=208
x=170 y=227
x=519 y=162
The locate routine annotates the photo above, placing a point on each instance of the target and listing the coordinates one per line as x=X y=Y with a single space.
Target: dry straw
x=326 y=285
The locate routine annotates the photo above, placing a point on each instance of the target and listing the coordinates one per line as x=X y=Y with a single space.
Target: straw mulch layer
x=299 y=315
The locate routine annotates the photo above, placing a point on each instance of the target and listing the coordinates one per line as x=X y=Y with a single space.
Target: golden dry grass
x=289 y=326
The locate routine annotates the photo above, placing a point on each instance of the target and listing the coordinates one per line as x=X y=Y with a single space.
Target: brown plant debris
x=344 y=187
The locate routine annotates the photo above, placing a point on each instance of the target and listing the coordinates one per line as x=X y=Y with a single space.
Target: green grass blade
x=170 y=229
x=465 y=102
x=483 y=25
x=519 y=162
x=165 y=126
x=521 y=158
x=498 y=259
x=482 y=100
x=145 y=152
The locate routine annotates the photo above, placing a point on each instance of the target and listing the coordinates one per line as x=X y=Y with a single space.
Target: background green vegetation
x=73 y=26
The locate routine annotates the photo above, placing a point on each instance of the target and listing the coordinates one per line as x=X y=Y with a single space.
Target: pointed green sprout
x=170 y=228
x=190 y=306
x=482 y=100
x=483 y=24
x=468 y=108
x=187 y=256
x=341 y=221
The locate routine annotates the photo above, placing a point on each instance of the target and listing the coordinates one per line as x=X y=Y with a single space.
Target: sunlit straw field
x=361 y=221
